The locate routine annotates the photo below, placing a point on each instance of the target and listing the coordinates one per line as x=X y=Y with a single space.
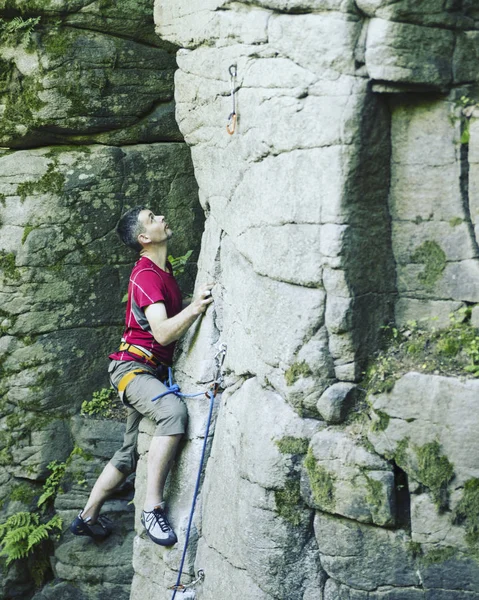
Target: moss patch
x=452 y=351
x=321 y=482
x=382 y=422
x=52 y=183
x=435 y=472
x=27 y=231
x=8 y=266
x=289 y=504
x=432 y=256
x=455 y=221
x=467 y=511
x=375 y=493
x=296 y=371
x=292 y=445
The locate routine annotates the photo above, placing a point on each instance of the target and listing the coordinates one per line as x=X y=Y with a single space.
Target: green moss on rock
x=50 y=183
x=382 y=422
x=433 y=257
x=467 y=511
x=289 y=504
x=435 y=472
x=27 y=231
x=455 y=221
x=321 y=482
x=296 y=371
x=8 y=266
x=292 y=445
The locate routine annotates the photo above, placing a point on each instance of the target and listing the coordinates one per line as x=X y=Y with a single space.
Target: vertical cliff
x=344 y=200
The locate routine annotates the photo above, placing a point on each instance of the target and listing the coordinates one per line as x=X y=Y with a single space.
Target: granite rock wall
x=344 y=201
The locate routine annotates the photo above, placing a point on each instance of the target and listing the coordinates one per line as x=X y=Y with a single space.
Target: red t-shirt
x=149 y=284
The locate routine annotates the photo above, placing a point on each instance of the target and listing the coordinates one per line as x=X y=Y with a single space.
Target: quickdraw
x=216 y=384
x=231 y=125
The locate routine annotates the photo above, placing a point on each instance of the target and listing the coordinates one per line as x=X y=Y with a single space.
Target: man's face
x=155 y=228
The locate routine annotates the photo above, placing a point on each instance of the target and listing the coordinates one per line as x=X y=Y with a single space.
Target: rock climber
x=155 y=319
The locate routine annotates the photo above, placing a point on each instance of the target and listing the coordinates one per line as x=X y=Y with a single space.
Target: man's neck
x=157 y=254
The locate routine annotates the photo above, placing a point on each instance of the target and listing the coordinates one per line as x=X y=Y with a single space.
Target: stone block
x=363 y=556
x=404 y=53
x=430 y=409
x=336 y=401
x=341 y=477
x=52 y=104
x=428 y=314
x=466 y=55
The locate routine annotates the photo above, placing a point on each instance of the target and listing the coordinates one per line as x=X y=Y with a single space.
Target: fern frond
x=37 y=536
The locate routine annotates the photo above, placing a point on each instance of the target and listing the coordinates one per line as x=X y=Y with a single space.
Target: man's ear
x=143 y=238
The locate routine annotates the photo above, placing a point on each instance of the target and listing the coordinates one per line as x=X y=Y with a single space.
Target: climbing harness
x=173 y=388
x=231 y=125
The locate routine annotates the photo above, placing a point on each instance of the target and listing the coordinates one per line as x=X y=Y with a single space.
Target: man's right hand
x=202 y=299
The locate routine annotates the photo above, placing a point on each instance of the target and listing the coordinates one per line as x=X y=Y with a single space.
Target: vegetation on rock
x=105 y=403
x=321 y=482
x=28 y=535
x=452 y=351
x=467 y=511
x=296 y=371
x=433 y=257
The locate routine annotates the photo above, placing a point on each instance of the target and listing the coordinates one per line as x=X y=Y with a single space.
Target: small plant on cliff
x=104 y=403
x=18 y=30
x=451 y=351
x=28 y=535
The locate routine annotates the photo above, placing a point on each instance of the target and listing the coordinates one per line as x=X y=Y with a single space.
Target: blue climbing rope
x=211 y=394
x=173 y=388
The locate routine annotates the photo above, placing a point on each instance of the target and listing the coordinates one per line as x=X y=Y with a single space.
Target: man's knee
x=125 y=460
x=173 y=417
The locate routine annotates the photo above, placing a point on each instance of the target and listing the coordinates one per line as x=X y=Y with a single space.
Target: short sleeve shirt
x=149 y=284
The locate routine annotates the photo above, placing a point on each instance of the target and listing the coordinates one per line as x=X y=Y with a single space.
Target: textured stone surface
x=343 y=478
x=425 y=408
x=363 y=556
x=335 y=402
x=404 y=53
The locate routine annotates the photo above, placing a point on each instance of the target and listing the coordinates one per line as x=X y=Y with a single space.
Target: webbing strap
x=127 y=378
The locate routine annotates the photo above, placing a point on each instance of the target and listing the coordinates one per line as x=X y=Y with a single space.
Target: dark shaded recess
x=403 y=498
x=369 y=262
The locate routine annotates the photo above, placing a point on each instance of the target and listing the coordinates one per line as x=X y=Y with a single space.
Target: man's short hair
x=129 y=228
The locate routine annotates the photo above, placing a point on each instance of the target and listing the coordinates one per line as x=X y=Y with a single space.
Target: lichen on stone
x=435 y=472
x=321 y=482
x=289 y=503
x=433 y=257
x=8 y=265
x=292 y=445
x=382 y=421
x=51 y=182
x=296 y=371
x=467 y=511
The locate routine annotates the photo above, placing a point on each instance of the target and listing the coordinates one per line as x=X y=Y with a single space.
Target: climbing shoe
x=98 y=531
x=157 y=527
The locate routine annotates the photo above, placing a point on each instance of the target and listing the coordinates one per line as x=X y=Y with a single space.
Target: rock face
x=87 y=130
x=343 y=200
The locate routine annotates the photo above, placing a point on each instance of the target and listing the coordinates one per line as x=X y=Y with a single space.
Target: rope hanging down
x=173 y=388
x=231 y=126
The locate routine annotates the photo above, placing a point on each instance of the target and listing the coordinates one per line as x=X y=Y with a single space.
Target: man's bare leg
x=160 y=458
x=104 y=487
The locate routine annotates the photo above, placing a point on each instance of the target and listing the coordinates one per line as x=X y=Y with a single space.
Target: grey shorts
x=169 y=413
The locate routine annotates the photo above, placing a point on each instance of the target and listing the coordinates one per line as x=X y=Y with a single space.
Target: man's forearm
x=172 y=329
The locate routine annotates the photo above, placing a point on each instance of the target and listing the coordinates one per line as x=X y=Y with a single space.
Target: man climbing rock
x=154 y=321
